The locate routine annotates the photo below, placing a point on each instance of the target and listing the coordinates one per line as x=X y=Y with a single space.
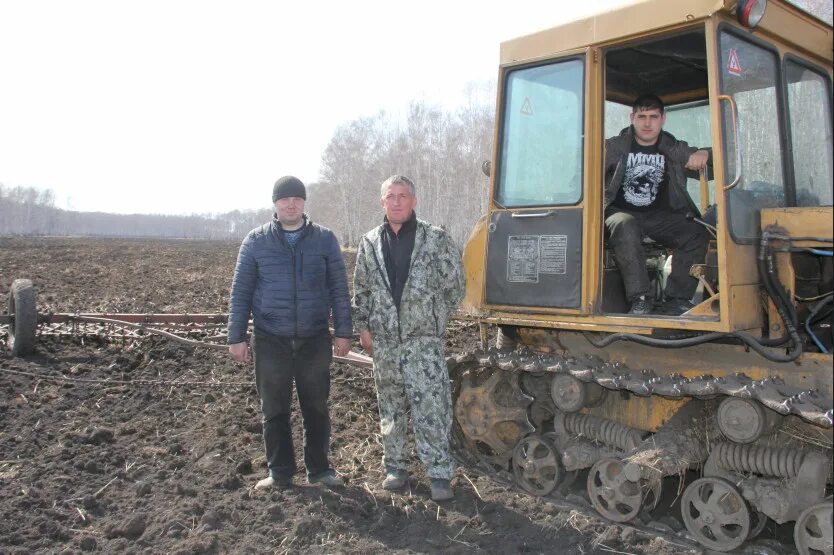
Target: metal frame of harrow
x=197 y=330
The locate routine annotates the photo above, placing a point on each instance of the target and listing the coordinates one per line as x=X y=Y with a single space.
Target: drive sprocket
x=491 y=412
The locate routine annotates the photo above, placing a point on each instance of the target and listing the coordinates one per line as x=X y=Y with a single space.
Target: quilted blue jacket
x=289 y=293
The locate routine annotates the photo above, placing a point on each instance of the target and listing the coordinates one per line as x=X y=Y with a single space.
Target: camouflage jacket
x=433 y=290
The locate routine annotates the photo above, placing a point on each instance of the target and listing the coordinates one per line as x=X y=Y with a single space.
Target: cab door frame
x=588 y=194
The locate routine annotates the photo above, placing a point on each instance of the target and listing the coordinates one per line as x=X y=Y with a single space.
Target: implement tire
x=23 y=318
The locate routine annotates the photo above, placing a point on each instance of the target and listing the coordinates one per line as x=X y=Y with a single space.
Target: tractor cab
x=758 y=96
x=737 y=386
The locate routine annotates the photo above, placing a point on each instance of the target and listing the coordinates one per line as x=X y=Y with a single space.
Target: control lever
x=690 y=217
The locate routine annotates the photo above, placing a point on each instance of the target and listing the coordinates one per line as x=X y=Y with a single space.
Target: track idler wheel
x=491 y=411
x=23 y=314
x=615 y=494
x=813 y=530
x=536 y=465
x=716 y=514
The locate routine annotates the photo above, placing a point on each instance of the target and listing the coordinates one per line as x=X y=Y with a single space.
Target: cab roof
x=640 y=18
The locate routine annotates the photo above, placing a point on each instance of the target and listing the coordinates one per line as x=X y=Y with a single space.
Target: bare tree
x=441 y=150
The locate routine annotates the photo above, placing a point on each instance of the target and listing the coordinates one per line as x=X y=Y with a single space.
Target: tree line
x=30 y=211
x=441 y=150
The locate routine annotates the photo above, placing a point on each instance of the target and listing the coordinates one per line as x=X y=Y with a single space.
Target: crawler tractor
x=733 y=398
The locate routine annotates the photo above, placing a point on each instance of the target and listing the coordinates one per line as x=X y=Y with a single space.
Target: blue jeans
x=278 y=362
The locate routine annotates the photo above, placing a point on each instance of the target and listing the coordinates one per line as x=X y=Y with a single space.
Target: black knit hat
x=288 y=186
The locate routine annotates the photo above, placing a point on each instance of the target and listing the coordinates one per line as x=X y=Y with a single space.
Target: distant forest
x=440 y=150
x=29 y=211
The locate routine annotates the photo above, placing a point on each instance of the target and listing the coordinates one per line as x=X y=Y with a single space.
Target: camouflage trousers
x=413 y=373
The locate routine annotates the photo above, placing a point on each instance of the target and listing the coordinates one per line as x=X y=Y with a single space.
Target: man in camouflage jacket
x=408 y=280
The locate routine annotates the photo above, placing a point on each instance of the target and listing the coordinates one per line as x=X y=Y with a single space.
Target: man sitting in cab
x=645 y=195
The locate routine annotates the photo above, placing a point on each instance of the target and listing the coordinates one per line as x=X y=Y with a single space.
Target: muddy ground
x=148 y=446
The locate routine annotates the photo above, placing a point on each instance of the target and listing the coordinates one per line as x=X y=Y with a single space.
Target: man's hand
x=239 y=351
x=367 y=341
x=697 y=160
x=341 y=346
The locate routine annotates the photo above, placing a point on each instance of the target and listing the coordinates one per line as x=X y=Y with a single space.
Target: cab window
x=541 y=136
x=809 y=109
x=749 y=73
x=690 y=122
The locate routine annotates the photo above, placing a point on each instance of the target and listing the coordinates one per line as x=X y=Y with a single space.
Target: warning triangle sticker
x=733 y=65
x=526 y=107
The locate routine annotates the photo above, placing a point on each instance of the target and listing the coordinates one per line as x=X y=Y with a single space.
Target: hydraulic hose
x=784 y=305
x=812 y=316
x=767 y=271
x=818 y=252
x=751 y=341
x=803 y=238
x=652 y=341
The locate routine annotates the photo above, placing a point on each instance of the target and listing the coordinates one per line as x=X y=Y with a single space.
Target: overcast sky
x=193 y=106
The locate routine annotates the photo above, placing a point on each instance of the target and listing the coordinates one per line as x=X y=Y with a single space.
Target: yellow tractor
x=735 y=394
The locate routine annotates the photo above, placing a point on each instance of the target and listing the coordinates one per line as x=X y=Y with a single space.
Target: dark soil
x=146 y=445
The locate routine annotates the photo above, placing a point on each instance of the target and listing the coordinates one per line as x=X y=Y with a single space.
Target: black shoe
x=676 y=307
x=641 y=305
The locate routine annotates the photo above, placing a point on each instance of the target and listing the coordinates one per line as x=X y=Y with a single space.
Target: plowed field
x=146 y=445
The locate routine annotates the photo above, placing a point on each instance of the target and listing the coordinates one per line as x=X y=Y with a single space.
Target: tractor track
x=571 y=493
x=773 y=393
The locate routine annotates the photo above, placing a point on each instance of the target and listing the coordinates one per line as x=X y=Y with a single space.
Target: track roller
x=571 y=395
x=745 y=420
x=716 y=514
x=813 y=530
x=536 y=465
x=617 y=496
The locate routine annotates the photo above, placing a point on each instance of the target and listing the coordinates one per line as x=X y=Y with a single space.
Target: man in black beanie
x=290 y=276
x=287 y=187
